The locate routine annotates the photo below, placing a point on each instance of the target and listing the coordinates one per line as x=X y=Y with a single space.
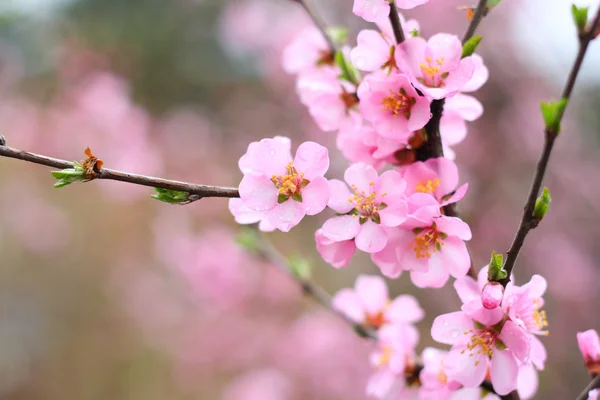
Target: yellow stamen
x=397 y=102
x=428 y=186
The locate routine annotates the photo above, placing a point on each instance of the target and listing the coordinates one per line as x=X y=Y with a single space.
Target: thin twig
x=594 y=384
x=200 y=191
x=528 y=221
x=396 y=24
x=477 y=17
x=320 y=24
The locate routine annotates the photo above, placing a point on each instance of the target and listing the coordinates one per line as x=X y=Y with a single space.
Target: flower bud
x=491 y=295
x=589 y=345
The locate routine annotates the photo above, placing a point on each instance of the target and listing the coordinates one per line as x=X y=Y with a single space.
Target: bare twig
x=477 y=17
x=200 y=191
x=319 y=23
x=528 y=221
x=396 y=24
x=594 y=384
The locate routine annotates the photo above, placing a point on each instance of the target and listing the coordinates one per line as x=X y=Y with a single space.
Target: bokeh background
x=108 y=294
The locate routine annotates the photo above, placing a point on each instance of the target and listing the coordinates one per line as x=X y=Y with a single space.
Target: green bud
x=170 y=196
x=495 y=269
x=580 y=16
x=69 y=175
x=300 y=267
x=552 y=113
x=349 y=72
x=414 y=33
x=470 y=47
x=542 y=204
x=248 y=239
x=338 y=34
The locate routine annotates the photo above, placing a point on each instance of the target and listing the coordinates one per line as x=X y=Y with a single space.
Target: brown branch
x=396 y=24
x=478 y=15
x=319 y=23
x=594 y=384
x=196 y=191
x=528 y=221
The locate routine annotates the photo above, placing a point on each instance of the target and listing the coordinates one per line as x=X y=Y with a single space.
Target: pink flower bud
x=589 y=345
x=491 y=295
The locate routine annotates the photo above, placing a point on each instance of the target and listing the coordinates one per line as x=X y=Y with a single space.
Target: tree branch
x=319 y=23
x=477 y=17
x=199 y=191
x=594 y=384
x=396 y=24
x=528 y=221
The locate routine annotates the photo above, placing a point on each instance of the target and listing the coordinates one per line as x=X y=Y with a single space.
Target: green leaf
x=68 y=175
x=470 y=47
x=282 y=198
x=495 y=269
x=248 y=239
x=349 y=72
x=552 y=112
x=580 y=16
x=300 y=267
x=170 y=196
x=542 y=204
x=338 y=34
x=492 y=3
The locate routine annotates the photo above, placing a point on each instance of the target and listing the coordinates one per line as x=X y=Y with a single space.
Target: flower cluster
x=495 y=340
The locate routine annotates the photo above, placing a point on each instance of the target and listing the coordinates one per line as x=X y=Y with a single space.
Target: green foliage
x=170 y=196
x=338 y=34
x=580 y=16
x=552 y=112
x=542 y=204
x=349 y=72
x=471 y=45
x=300 y=267
x=248 y=239
x=69 y=175
x=496 y=271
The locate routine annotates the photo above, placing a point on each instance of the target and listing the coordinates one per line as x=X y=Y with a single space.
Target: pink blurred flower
x=394 y=353
x=594 y=394
x=480 y=75
x=358 y=143
x=589 y=345
x=308 y=50
x=437 y=177
x=491 y=295
x=376 y=204
x=264 y=384
x=336 y=253
x=434 y=381
x=331 y=102
x=457 y=110
x=371 y=10
x=287 y=189
x=244 y=215
x=435 y=66
x=470 y=292
x=477 y=347
x=392 y=104
x=408 y=4
x=369 y=304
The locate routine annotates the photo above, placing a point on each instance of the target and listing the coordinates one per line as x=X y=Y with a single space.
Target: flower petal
x=341 y=228
x=373 y=292
x=315 y=195
x=258 y=193
x=467 y=368
x=450 y=328
x=504 y=371
x=404 y=309
x=339 y=195
x=371 y=238
x=361 y=175
x=312 y=159
x=286 y=215
x=516 y=339
x=349 y=303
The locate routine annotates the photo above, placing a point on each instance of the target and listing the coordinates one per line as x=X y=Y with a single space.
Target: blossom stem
x=396 y=24
x=319 y=24
x=594 y=384
x=528 y=221
x=199 y=191
x=477 y=17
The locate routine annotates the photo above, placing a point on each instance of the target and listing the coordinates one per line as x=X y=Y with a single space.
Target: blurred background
x=108 y=294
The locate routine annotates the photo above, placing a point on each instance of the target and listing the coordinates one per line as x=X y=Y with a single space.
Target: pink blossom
x=594 y=394
x=431 y=246
x=527 y=381
x=491 y=295
x=376 y=204
x=434 y=381
x=457 y=110
x=470 y=292
x=371 y=10
x=437 y=177
x=376 y=50
x=338 y=254
x=408 y=4
x=244 y=215
x=265 y=384
x=332 y=103
x=287 y=189
x=396 y=346
x=361 y=143
x=477 y=347
x=589 y=345
x=435 y=66
x=480 y=75
x=392 y=104
x=308 y=50
x=369 y=304
x=523 y=305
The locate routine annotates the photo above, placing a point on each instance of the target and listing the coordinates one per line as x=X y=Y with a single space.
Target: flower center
x=384 y=356
x=539 y=317
x=390 y=64
x=349 y=99
x=375 y=320
x=427 y=241
x=428 y=186
x=366 y=204
x=290 y=184
x=325 y=58
x=442 y=377
x=481 y=343
x=398 y=103
x=431 y=72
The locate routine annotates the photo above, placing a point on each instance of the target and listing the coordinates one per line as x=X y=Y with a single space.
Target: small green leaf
x=300 y=267
x=297 y=197
x=552 y=112
x=414 y=33
x=470 y=47
x=349 y=72
x=495 y=268
x=580 y=16
x=248 y=239
x=338 y=34
x=542 y=204
x=170 y=196
x=492 y=3
x=68 y=175
x=282 y=198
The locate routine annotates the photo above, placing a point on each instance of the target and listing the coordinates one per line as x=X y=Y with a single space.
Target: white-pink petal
x=516 y=339
x=258 y=193
x=371 y=238
x=361 y=175
x=504 y=371
x=450 y=328
x=340 y=228
x=348 y=302
x=286 y=215
x=312 y=160
x=315 y=195
x=404 y=309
